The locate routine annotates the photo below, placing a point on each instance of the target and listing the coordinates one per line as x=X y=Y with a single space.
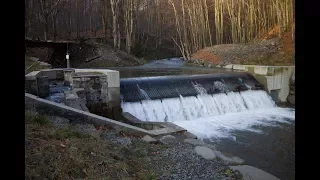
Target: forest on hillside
x=183 y=25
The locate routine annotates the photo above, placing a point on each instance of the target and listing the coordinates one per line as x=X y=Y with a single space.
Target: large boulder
x=205 y=152
x=149 y=139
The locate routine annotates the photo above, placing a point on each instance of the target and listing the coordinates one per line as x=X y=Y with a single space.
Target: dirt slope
x=275 y=51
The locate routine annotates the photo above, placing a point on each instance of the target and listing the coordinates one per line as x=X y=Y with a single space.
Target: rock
x=45 y=64
x=252 y=173
x=210 y=146
x=124 y=141
x=149 y=139
x=195 y=142
x=87 y=129
x=205 y=152
x=293 y=92
x=292 y=80
x=205 y=63
x=190 y=135
x=34 y=59
x=209 y=65
x=228 y=66
x=167 y=139
x=233 y=160
x=291 y=99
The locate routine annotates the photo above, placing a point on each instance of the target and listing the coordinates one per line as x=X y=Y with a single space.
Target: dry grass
x=65 y=153
x=32 y=65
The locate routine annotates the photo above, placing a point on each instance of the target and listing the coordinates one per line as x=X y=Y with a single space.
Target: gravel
x=60 y=122
x=179 y=161
x=113 y=137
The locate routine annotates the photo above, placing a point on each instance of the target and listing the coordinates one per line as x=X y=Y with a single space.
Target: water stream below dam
x=247 y=124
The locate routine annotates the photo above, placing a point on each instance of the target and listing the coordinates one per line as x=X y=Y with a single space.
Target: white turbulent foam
x=199 y=88
x=213 y=115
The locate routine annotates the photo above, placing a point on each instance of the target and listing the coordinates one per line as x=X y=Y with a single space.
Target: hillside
x=269 y=51
x=79 y=53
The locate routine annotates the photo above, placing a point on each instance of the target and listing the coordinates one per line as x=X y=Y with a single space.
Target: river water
x=247 y=124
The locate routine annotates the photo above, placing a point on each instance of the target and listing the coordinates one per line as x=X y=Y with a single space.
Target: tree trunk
x=104 y=18
x=90 y=16
x=114 y=10
x=78 y=20
x=46 y=28
x=118 y=35
x=55 y=27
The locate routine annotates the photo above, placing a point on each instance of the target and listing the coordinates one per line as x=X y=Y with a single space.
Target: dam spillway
x=209 y=106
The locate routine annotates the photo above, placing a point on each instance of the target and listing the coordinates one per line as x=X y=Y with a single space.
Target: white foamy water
x=215 y=115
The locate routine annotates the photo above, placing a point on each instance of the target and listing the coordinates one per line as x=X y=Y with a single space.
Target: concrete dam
x=234 y=111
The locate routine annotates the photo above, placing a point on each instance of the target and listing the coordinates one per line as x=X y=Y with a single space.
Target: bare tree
x=115 y=10
x=129 y=22
x=47 y=7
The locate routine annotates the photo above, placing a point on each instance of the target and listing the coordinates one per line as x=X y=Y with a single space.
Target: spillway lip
x=161 y=87
x=186 y=76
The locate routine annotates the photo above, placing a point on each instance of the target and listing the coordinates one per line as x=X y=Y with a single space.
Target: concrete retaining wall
x=76 y=115
x=274 y=78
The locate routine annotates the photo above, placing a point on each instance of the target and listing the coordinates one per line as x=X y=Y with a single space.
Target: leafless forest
x=181 y=25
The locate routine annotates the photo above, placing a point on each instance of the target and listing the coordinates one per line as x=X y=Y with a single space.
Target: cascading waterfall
x=202 y=105
x=211 y=115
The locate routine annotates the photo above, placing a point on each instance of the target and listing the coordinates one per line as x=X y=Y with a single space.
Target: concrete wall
x=76 y=115
x=274 y=78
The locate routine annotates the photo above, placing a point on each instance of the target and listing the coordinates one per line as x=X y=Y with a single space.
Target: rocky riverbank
x=103 y=152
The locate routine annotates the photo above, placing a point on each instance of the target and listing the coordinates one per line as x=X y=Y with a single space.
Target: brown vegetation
x=274 y=51
x=53 y=152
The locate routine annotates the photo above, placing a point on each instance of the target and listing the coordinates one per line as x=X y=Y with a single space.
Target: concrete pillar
x=68 y=73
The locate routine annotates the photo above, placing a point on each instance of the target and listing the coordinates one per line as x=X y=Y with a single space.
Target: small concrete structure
x=157 y=128
x=274 y=78
x=101 y=88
